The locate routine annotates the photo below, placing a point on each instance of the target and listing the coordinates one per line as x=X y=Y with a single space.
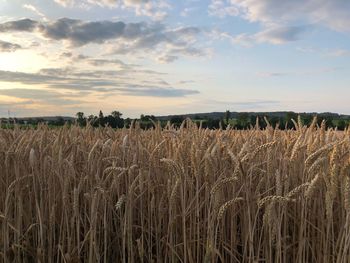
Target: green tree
x=227 y=116
x=243 y=120
x=80 y=118
x=288 y=118
x=116 y=114
x=101 y=117
x=341 y=125
x=60 y=121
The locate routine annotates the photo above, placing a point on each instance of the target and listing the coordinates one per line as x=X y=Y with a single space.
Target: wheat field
x=175 y=195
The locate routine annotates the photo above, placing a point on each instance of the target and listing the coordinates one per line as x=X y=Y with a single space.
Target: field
x=174 y=195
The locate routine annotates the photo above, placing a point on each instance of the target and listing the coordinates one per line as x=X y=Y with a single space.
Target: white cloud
x=36 y=11
x=156 y=9
x=221 y=8
x=65 y=3
x=331 y=13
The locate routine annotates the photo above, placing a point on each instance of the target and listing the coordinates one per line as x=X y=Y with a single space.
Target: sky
x=58 y=57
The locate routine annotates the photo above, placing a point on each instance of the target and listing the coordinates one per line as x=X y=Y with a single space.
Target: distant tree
x=152 y=117
x=274 y=121
x=288 y=119
x=306 y=119
x=242 y=120
x=60 y=121
x=213 y=123
x=116 y=114
x=142 y=117
x=329 y=122
x=92 y=119
x=341 y=125
x=100 y=115
x=227 y=116
x=115 y=120
x=127 y=122
x=147 y=117
x=177 y=120
x=39 y=120
x=80 y=118
x=101 y=120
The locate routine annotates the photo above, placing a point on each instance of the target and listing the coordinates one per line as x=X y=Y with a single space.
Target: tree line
x=242 y=120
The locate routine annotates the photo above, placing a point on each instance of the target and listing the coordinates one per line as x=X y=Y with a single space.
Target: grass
x=174 y=195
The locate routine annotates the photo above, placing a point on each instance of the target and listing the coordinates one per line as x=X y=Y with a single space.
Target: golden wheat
x=175 y=195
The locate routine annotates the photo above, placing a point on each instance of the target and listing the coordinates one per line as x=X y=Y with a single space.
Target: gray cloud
x=127 y=37
x=8 y=47
x=151 y=91
x=167 y=58
x=26 y=78
x=80 y=33
x=68 y=79
x=23 y=25
x=96 y=61
x=99 y=62
x=280 y=35
x=66 y=55
x=182 y=82
x=273 y=35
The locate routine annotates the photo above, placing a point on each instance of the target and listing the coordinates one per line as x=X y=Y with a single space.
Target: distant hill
x=43 y=118
x=234 y=114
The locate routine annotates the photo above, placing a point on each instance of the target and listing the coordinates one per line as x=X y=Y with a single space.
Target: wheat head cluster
x=185 y=194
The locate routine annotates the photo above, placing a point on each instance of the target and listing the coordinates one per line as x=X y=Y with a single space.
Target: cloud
x=103 y=82
x=274 y=35
x=183 y=82
x=8 y=47
x=35 y=10
x=23 y=25
x=66 y=55
x=97 y=62
x=101 y=62
x=80 y=33
x=40 y=95
x=167 y=58
x=281 y=35
x=65 y=3
x=110 y=3
x=221 y=9
x=124 y=37
x=155 y=9
x=156 y=91
x=300 y=73
x=331 y=13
